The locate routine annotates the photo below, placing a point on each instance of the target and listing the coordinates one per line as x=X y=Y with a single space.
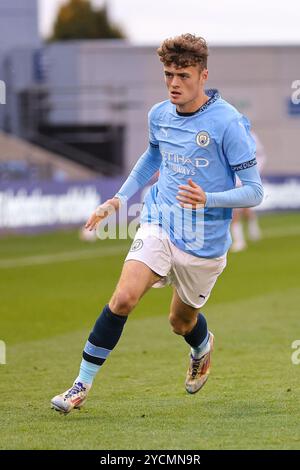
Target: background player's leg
x=237 y=231
x=254 y=232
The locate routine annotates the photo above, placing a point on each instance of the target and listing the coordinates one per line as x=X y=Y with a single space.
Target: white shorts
x=193 y=277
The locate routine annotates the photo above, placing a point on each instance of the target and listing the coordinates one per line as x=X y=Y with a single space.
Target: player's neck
x=194 y=105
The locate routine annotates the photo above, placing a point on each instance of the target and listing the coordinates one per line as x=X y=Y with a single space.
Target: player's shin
x=102 y=340
x=198 y=338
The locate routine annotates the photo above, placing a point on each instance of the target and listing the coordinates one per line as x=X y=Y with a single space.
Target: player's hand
x=101 y=212
x=191 y=195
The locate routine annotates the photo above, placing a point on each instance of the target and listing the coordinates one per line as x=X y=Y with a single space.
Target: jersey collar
x=212 y=93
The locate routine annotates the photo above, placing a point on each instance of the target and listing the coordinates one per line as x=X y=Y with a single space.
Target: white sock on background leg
x=254 y=232
x=238 y=238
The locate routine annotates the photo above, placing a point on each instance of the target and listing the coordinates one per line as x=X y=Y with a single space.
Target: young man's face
x=185 y=85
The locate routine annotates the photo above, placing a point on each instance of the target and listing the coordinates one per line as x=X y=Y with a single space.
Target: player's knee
x=123 y=302
x=179 y=326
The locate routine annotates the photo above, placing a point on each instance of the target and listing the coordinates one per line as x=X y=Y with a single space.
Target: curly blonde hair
x=183 y=51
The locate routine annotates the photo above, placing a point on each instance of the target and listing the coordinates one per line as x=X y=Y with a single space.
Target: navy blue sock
x=104 y=337
x=199 y=334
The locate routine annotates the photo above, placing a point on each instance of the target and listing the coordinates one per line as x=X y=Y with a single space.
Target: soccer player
x=198 y=142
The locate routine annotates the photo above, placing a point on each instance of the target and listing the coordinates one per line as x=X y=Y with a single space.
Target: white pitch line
x=61 y=257
x=111 y=250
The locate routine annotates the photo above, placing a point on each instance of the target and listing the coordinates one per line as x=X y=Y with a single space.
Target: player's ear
x=204 y=74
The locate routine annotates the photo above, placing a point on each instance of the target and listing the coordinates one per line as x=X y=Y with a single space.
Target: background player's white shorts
x=193 y=277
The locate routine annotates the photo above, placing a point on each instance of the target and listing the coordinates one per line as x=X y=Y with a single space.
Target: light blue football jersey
x=207 y=146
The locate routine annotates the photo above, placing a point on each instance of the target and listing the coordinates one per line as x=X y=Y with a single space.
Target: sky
x=218 y=21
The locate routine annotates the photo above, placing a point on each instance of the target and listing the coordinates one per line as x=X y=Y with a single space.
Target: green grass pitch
x=52 y=288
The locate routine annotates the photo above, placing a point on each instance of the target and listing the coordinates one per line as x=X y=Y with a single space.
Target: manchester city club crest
x=202 y=138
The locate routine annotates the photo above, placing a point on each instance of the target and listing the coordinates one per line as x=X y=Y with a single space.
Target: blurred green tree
x=79 y=20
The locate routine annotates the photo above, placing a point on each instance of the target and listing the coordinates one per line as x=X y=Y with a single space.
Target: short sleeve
x=238 y=144
x=151 y=126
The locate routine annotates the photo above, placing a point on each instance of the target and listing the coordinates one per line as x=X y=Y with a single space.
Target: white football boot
x=75 y=397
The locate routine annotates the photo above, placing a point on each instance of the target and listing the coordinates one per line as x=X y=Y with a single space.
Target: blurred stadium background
x=73 y=121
